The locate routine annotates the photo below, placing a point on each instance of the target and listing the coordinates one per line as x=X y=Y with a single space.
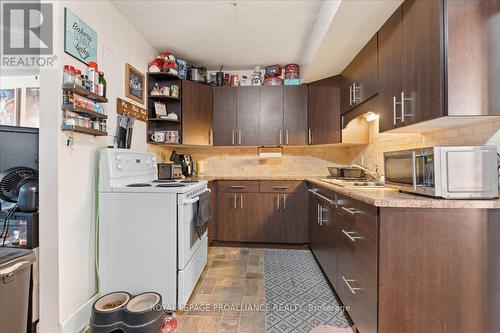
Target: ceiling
x=240 y=34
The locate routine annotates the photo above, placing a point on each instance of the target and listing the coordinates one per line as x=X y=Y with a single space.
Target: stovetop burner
x=139 y=185
x=170 y=185
x=189 y=181
x=164 y=181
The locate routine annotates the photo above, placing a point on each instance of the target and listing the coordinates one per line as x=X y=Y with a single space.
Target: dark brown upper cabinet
x=295 y=115
x=197 y=114
x=256 y=116
x=324 y=111
x=271 y=115
x=224 y=116
x=248 y=116
x=360 y=77
x=436 y=60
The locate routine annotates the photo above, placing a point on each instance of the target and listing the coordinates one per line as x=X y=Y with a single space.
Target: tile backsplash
x=313 y=160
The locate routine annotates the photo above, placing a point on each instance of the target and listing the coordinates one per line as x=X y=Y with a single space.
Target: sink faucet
x=375 y=175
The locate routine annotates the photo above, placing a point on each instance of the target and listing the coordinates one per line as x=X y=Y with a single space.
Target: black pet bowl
x=142 y=313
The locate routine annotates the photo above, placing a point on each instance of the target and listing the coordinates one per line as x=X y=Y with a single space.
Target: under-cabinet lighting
x=370 y=116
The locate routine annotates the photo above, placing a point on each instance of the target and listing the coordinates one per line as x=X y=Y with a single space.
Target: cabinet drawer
x=238 y=186
x=361 y=215
x=282 y=186
x=357 y=278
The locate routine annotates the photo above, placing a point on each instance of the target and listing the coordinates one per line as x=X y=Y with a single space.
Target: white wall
x=68 y=173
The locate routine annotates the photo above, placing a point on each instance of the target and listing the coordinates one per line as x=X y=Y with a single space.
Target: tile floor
x=229 y=297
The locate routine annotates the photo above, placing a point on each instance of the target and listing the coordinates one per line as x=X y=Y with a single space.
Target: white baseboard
x=78 y=321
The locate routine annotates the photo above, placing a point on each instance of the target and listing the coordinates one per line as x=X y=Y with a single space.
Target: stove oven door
x=189 y=241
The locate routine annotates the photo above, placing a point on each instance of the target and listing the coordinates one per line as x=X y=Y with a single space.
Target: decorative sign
x=134 y=84
x=133 y=111
x=80 y=41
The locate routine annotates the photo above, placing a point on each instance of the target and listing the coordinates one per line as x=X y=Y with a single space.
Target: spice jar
x=68 y=75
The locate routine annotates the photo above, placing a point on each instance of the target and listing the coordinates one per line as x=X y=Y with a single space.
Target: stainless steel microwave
x=469 y=172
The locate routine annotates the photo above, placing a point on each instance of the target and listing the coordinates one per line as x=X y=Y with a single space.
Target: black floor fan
x=19 y=185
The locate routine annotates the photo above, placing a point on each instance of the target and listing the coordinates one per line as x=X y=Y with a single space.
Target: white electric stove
x=147 y=235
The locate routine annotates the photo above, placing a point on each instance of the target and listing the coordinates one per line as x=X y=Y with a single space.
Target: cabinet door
x=284 y=218
x=324 y=111
x=248 y=116
x=357 y=275
x=224 y=116
x=271 y=115
x=197 y=114
x=313 y=225
x=295 y=115
x=390 y=55
x=212 y=224
x=422 y=60
x=232 y=222
x=328 y=242
x=360 y=77
x=293 y=208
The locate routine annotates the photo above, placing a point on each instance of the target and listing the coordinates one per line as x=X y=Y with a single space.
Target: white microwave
x=469 y=172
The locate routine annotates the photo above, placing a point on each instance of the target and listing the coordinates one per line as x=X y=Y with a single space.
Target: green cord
x=97 y=226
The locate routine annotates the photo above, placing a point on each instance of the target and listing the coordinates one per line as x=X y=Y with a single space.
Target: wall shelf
x=164 y=74
x=84 y=112
x=166 y=120
x=164 y=97
x=84 y=92
x=84 y=130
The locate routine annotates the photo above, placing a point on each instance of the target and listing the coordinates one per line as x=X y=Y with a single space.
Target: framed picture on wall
x=9 y=107
x=80 y=40
x=30 y=112
x=134 y=84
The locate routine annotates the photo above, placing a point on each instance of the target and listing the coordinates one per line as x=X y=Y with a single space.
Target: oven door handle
x=195 y=199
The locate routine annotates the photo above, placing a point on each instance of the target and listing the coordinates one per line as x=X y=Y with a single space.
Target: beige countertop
x=380 y=197
x=387 y=197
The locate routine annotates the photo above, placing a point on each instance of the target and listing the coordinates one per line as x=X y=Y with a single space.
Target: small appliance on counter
x=186 y=162
x=167 y=171
x=197 y=74
x=347 y=173
x=461 y=172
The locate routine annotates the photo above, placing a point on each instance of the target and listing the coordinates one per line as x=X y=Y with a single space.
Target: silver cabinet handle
x=352 y=211
x=310 y=137
x=350 y=95
x=280 y=139
x=278 y=202
x=281 y=187
x=241 y=201
x=238 y=186
x=284 y=202
x=349 y=235
x=239 y=137
x=403 y=111
x=286 y=136
x=232 y=137
x=234 y=202
x=354 y=90
x=348 y=283
x=330 y=201
x=394 y=110
x=320 y=214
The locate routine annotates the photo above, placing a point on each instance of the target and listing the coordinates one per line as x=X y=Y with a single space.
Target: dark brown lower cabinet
x=237 y=216
x=212 y=224
x=269 y=212
x=409 y=270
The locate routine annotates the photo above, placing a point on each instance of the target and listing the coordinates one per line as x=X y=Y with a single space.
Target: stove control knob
x=119 y=166
x=118 y=157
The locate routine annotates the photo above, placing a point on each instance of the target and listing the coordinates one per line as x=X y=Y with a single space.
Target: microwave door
x=399 y=169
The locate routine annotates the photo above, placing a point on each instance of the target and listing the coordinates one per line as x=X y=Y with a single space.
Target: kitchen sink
x=356 y=184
